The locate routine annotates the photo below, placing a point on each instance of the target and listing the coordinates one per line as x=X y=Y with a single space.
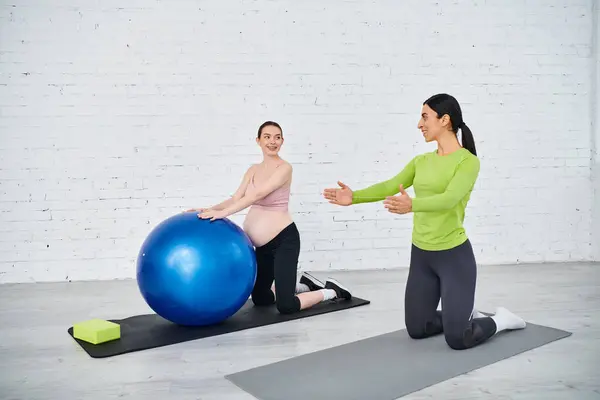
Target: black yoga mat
x=384 y=367
x=150 y=330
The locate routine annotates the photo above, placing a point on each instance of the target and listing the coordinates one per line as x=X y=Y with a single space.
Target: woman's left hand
x=212 y=214
x=401 y=204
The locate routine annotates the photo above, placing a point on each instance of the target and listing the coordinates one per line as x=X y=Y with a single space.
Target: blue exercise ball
x=195 y=272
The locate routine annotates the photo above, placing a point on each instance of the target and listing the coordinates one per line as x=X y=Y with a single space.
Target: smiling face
x=270 y=140
x=431 y=126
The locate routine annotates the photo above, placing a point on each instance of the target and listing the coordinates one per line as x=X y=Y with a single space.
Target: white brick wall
x=116 y=115
x=596 y=137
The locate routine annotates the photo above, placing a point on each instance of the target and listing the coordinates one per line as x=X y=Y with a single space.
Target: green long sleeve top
x=442 y=186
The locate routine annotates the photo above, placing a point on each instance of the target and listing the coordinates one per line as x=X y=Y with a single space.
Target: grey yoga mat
x=383 y=367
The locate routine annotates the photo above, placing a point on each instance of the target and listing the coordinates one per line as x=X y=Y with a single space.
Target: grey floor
x=39 y=360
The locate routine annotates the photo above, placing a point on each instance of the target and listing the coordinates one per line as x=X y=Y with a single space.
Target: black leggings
x=449 y=275
x=278 y=260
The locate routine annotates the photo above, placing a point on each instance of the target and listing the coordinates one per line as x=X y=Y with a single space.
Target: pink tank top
x=276 y=200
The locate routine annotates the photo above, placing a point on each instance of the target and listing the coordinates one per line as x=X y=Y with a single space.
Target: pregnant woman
x=265 y=188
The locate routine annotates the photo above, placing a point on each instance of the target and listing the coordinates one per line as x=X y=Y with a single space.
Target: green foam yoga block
x=96 y=331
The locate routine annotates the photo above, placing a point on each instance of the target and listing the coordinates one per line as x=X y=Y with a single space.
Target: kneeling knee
x=455 y=341
x=289 y=306
x=263 y=300
x=416 y=333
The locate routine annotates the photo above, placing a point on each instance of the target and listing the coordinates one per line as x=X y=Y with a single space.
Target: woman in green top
x=442 y=264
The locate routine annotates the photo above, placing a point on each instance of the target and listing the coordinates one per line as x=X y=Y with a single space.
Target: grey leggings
x=449 y=275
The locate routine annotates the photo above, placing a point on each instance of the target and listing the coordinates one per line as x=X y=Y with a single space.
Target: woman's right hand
x=341 y=196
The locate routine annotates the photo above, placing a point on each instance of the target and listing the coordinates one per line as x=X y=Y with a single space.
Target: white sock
x=301 y=288
x=328 y=294
x=477 y=314
x=505 y=320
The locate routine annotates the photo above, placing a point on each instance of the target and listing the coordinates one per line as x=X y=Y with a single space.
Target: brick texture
x=117 y=115
x=595 y=107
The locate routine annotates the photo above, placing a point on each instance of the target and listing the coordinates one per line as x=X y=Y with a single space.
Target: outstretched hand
x=340 y=196
x=400 y=204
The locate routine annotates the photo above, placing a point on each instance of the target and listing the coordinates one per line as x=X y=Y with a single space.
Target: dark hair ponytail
x=444 y=104
x=468 y=142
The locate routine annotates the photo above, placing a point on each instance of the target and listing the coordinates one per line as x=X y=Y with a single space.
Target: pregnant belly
x=262 y=226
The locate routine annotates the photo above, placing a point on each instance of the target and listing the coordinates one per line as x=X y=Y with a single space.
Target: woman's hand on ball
x=212 y=214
